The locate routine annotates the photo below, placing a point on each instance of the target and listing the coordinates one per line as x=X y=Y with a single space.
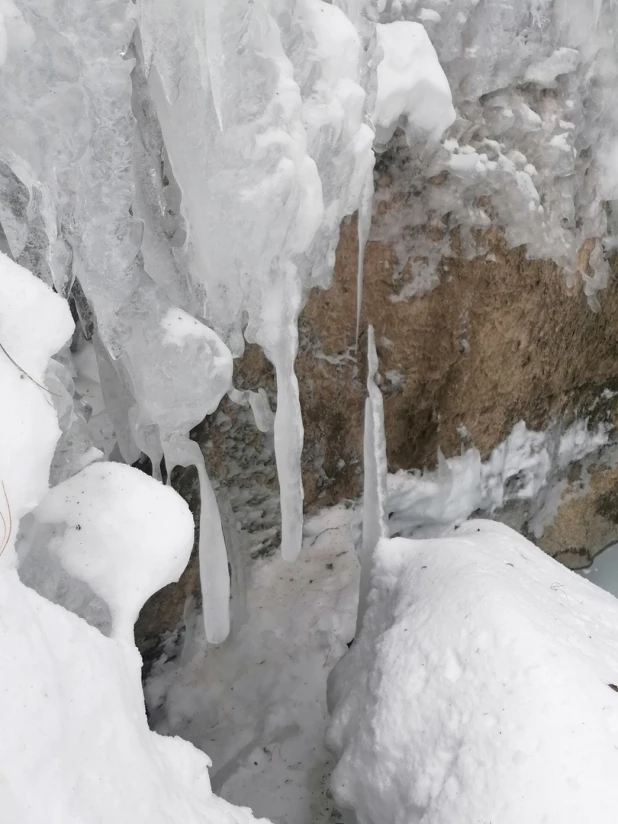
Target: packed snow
x=482 y=687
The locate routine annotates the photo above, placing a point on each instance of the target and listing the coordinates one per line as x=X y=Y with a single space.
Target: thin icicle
x=374 y=490
x=288 y=451
x=238 y=564
x=214 y=574
x=363 y=227
x=212 y=57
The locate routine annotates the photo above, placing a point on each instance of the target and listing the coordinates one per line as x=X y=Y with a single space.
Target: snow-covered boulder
x=482 y=687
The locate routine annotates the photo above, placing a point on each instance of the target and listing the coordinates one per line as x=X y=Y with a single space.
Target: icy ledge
x=75 y=745
x=481 y=688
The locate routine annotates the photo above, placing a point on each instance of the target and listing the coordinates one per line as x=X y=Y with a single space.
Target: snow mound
x=481 y=688
x=115 y=529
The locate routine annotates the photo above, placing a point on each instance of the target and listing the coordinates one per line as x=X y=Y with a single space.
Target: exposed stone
x=587 y=523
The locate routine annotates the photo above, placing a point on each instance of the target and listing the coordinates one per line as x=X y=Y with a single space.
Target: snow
x=75 y=745
x=411 y=84
x=257 y=703
x=180 y=172
x=73 y=722
x=521 y=468
x=118 y=531
x=479 y=688
x=34 y=324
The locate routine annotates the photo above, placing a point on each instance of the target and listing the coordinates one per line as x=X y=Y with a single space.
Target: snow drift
x=482 y=687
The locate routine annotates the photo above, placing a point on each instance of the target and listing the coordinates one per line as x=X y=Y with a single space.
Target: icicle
x=374 y=490
x=238 y=566
x=212 y=57
x=214 y=575
x=258 y=401
x=363 y=226
x=288 y=451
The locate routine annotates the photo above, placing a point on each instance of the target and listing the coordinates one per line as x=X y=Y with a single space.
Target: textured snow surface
x=479 y=688
x=75 y=745
x=257 y=703
x=114 y=529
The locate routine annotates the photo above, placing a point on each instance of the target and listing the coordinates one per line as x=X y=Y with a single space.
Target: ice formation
x=532 y=150
x=411 y=85
x=72 y=709
x=460 y=701
x=374 y=461
x=521 y=468
x=181 y=172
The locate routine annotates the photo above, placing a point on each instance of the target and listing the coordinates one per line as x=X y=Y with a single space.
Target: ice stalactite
x=375 y=524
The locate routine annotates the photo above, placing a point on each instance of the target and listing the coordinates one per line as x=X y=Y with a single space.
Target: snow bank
x=480 y=688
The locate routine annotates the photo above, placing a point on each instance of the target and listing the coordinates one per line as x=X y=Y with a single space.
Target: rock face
x=498 y=339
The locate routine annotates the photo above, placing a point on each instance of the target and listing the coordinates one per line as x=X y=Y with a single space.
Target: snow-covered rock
x=482 y=687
